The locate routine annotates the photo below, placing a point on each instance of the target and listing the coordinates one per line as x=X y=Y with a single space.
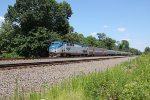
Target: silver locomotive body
x=67 y=49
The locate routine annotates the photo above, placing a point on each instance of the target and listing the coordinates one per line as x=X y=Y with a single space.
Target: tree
x=101 y=36
x=124 y=45
x=71 y=29
x=106 y=42
x=116 y=47
x=109 y=43
x=147 y=50
x=31 y=25
x=31 y=14
x=91 y=41
x=37 y=41
x=134 y=51
x=72 y=37
x=6 y=37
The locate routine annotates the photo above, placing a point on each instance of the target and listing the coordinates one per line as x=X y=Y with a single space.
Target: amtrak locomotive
x=70 y=49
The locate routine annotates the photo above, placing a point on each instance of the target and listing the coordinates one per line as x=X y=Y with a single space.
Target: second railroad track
x=17 y=63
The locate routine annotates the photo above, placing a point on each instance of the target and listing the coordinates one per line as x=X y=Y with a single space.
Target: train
x=58 y=48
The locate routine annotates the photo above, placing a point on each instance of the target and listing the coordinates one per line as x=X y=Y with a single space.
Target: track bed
x=27 y=62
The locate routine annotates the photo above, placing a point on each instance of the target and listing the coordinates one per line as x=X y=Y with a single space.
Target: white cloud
x=94 y=34
x=106 y=26
x=2 y=19
x=121 y=29
x=126 y=39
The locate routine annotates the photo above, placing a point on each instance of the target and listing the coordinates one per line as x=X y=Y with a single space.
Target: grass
x=127 y=81
x=9 y=55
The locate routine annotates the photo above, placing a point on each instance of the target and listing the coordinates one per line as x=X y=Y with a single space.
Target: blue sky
x=119 y=19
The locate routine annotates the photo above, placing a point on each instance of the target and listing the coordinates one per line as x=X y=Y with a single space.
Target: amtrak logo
x=68 y=48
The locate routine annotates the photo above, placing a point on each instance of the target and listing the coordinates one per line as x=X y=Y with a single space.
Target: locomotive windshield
x=55 y=45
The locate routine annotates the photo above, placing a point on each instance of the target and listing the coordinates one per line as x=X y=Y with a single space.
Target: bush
x=9 y=55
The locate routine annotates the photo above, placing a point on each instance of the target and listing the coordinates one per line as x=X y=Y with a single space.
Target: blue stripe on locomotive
x=55 y=45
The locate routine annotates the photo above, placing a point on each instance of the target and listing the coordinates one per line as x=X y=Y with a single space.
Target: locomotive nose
x=52 y=50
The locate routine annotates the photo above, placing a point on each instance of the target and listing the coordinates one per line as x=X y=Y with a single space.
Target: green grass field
x=127 y=81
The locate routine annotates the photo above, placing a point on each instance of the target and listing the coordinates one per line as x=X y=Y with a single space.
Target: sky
x=118 y=19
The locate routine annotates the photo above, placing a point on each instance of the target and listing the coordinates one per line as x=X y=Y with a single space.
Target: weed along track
x=35 y=77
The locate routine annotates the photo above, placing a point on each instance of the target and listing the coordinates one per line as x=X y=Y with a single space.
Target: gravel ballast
x=35 y=77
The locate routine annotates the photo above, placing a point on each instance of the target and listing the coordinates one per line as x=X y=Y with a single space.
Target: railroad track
x=47 y=61
x=10 y=59
x=13 y=59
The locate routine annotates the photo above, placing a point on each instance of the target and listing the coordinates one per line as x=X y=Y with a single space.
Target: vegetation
x=124 y=45
x=127 y=81
x=135 y=51
x=147 y=50
x=9 y=55
x=31 y=25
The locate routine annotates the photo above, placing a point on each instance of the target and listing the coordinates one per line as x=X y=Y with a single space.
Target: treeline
x=147 y=50
x=101 y=41
x=31 y=25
